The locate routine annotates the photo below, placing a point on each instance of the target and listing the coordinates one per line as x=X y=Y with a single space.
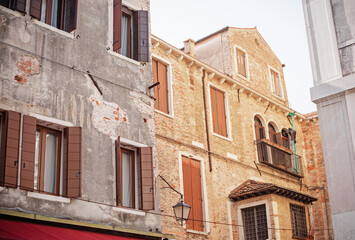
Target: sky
x=280 y=22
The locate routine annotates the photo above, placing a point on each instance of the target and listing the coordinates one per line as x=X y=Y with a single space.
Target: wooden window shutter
x=146 y=165
x=141 y=36
x=72 y=162
x=162 y=88
x=70 y=15
x=9 y=149
x=117 y=18
x=214 y=110
x=20 y=5
x=222 y=118
x=241 y=62
x=118 y=171
x=155 y=80
x=35 y=8
x=193 y=192
x=28 y=152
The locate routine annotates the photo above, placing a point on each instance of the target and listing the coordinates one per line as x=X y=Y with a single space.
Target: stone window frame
x=170 y=86
x=253 y=204
x=203 y=190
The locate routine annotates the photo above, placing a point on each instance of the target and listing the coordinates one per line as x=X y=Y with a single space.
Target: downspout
x=206 y=121
x=294 y=143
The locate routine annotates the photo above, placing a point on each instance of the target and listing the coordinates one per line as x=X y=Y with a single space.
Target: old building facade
x=224 y=141
x=77 y=119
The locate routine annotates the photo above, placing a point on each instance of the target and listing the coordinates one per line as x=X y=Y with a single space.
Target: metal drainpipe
x=294 y=144
x=206 y=120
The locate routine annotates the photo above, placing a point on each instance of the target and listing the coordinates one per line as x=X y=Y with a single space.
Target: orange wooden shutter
x=163 y=88
x=221 y=113
x=117 y=18
x=214 y=107
x=28 y=152
x=35 y=8
x=10 y=149
x=147 y=178
x=118 y=171
x=72 y=187
x=192 y=192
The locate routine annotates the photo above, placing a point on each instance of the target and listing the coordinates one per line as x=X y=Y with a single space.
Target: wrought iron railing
x=279 y=157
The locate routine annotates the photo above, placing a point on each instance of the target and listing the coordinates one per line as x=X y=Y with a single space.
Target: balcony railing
x=279 y=157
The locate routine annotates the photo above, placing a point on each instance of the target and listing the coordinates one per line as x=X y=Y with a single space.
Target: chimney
x=189 y=47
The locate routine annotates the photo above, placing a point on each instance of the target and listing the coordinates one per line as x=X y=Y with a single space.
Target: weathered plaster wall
x=44 y=72
x=176 y=135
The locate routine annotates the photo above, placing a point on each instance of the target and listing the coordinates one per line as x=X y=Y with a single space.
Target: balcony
x=279 y=157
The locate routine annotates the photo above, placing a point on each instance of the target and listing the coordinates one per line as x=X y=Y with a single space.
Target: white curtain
x=126 y=180
x=54 y=19
x=125 y=36
x=38 y=139
x=43 y=11
x=50 y=170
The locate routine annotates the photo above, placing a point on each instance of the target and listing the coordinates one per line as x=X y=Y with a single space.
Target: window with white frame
x=218 y=109
x=162 y=92
x=255 y=223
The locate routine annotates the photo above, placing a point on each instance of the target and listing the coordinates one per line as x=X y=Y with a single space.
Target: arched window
x=260 y=134
x=272 y=133
x=259 y=129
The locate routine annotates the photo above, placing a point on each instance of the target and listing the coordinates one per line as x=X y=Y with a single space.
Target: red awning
x=15 y=230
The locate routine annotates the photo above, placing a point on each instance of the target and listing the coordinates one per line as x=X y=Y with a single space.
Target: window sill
x=278 y=96
x=243 y=77
x=223 y=137
x=129 y=210
x=163 y=113
x=48 y=197
x=196 y=232
x=54 y=29
x=124 y=57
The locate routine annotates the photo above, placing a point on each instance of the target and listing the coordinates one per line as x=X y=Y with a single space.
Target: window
x=19 y=5
x=255 y=223
x=241 y=61
x=161 y=92
x=193 y=193
x=219 y=118
x=276 y=84
x=41 y=156
x=60 y=14
x=47 y=160
x=134 y=176
x=130 y=32
x=260 y=134
x=298 y=219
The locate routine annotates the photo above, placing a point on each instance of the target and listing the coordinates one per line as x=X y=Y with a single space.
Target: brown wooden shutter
x=143 y=36
x=20 y=5
x=193 y=192
x=10 y=149
x=117 y=18
x=241 y=62
x=35 y=8
x=118 y=171
x=72 y=187
x=146 y=159
x=70 y=15
x=28 y=152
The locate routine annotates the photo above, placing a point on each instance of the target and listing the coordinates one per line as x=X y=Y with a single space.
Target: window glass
x=43 y=11
x=127 y=158
x=50 y=163
x=37 y=152
x=125 y=36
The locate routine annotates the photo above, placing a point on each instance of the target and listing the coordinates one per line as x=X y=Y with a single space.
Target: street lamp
x=181 y=209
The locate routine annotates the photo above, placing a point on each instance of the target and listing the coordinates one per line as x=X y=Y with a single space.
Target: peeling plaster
x=26 y=66
x=107 y=116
